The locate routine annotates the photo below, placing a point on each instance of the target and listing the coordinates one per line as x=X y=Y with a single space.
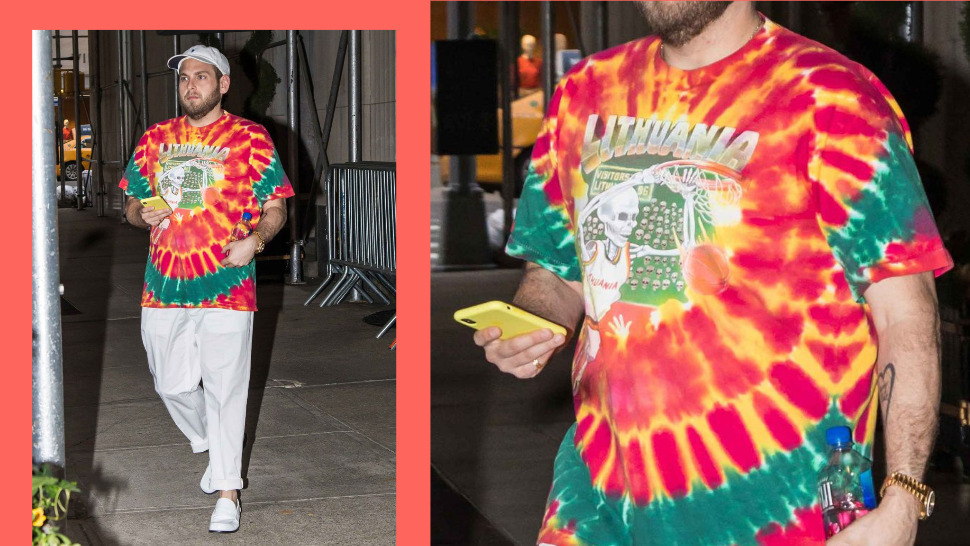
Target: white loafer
x=225 y=518
x=206 y=483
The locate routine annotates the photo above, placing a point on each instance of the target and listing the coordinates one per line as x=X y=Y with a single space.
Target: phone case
x=155 y=201
x=512 y=320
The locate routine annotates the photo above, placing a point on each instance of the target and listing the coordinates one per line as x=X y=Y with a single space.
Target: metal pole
x=323 y=132
x=602 y=28
x=47 y=362
x=295 y=268
x=144 y=81
x=355 y=118
x=515 y=31
x=322 y=169
x=175 y=48
x=461 y=16
x=507 y=67
x=57 y=51
x=94 y=39
x=78 y=151
x=914 y=26
x=123 y=152
x=60 y=144
x=464 y=237
x=60 y=113
x=548 y=52
x=355 y=97
x=794 y=16
x=460 y=20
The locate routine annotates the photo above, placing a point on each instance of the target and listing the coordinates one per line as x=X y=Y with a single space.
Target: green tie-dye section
x=882 y=213
x=137 y=185
x=270 y=182
x=784 y=482
x=545 y=227
x=193 y=292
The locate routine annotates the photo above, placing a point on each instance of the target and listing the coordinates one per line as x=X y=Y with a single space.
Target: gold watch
x=261 y=245
x=922 y=492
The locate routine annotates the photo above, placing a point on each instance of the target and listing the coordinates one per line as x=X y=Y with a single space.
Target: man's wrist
x=902 y=502
x=260 y=242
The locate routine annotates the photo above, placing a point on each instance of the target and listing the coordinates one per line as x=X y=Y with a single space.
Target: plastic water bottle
x=243 y=228
x=845 y=487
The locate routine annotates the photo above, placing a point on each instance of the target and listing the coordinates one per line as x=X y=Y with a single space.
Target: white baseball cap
x=202 y=53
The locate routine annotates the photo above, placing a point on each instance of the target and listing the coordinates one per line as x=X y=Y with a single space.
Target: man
x=782 y=230
x=199 y=293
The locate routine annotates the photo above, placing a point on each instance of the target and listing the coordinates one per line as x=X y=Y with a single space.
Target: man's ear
x=224 y=84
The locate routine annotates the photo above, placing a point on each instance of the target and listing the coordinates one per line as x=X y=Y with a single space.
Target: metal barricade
x=362 y=233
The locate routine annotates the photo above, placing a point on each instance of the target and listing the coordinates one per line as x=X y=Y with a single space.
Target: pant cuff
x=227 y=485
x=199 y=448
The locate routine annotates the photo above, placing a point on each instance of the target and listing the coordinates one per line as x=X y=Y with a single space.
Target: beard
x=202 y=108
x=679 y=22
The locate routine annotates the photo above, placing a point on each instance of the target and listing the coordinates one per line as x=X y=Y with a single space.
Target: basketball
x=706 y=269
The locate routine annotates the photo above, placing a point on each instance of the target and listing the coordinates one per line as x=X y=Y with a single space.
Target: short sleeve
x=870 y=201
x=542 y=232
x=135 y=181
x=266 y=170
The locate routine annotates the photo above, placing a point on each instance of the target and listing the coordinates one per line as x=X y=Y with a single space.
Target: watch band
x=923 y=493
x=261 y=246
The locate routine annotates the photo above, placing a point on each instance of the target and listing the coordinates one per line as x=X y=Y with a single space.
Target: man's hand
x=548 y=295
x=516 y=355
x=892 y=523
x=240 y=253
x=144 y=217
x=153 y=217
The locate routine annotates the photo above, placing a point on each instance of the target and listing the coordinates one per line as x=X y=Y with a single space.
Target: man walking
x=778 y=282
x=199 y=293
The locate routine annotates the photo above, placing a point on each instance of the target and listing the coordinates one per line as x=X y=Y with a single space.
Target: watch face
x=930 y=503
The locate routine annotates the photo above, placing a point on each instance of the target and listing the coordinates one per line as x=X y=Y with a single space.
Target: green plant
x=51 y=496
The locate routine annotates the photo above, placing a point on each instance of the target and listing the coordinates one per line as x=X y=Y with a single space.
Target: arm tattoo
x=886 y=381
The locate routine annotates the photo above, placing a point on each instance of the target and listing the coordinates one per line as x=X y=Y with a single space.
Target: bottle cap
x=247 y=216
x=838 y=436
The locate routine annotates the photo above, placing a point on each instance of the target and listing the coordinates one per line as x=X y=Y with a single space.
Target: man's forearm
x=908 y=371
x=544 y=293
x=132 y=212
x=909 y=392
x=270 y=222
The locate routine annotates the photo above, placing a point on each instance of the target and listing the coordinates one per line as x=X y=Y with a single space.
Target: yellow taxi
x=70 y=158
x=527 y=116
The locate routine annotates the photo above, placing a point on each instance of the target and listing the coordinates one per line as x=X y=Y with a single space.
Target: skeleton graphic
x=170 y=185
x=606 y=263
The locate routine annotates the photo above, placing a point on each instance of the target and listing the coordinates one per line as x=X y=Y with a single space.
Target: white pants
x=185 y=346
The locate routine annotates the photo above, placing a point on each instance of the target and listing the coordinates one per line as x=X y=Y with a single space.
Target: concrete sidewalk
x=320 y=460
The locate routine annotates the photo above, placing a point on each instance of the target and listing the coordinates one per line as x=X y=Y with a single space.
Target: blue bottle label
x=868 y=490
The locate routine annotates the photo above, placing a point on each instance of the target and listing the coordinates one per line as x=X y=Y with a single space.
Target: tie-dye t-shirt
x=725 y=223
x=210 y=176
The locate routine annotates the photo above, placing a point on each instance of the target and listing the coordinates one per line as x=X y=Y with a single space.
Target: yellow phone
x=155 y=201
x=512 y=320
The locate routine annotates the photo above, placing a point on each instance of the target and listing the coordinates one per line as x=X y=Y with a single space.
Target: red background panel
x=410 y=18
